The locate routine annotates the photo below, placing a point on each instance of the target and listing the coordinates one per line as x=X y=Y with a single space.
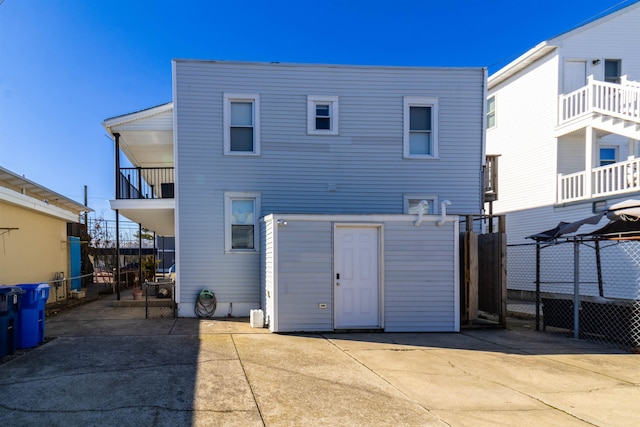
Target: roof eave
x=109 y=123
x=519 y=64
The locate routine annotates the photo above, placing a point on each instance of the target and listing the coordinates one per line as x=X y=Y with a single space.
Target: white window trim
x=420 y=101
x=334 y=114
x=428 y=197
x=240 y=195
x=612 y=147
x=495 y=116
x=235 y=97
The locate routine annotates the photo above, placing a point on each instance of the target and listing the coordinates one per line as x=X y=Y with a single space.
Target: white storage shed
x=396 y=273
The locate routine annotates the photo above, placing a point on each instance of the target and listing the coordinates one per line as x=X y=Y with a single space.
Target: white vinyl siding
x=323 y=114
x=241 y=124
x=420 y=140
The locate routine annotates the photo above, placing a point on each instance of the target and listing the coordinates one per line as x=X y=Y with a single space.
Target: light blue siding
x=419 y=281
x=359 y=171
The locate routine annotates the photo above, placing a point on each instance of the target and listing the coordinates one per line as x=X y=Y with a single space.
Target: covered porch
x=597 y=141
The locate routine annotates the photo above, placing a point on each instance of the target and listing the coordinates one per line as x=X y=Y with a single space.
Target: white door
x=575 y=75
x=356 y=280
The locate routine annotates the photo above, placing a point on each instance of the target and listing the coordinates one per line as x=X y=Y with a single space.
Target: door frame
x=380 y=234
x=565 y=68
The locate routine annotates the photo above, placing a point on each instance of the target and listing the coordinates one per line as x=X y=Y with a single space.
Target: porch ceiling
x=156 y=215
x=146 y=137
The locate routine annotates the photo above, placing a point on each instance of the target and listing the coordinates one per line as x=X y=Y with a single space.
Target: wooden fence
x=483 y=276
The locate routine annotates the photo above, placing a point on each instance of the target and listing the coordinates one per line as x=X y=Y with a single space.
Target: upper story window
x=612 y=70
x=608 y=156
x=420 y=138
x=322 y=115
x=241 y=225
x=241 y=124
x=491 y=112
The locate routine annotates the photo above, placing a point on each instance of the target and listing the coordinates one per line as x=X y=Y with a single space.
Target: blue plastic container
x=9 y=308
x=31 y=315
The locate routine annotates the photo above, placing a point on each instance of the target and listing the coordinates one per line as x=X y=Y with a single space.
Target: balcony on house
x=491 y=178
x=145 y=183
x=144 y=190
x=594 y=112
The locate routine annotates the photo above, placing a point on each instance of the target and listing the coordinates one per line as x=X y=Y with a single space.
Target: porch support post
x=576 y=288
x=588 y=161
x=633 y=150
x=118 y=253
x=117 y=163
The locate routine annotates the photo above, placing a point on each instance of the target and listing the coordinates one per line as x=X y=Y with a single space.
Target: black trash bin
x=9 y=308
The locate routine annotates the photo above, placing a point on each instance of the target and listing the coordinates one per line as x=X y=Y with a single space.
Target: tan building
x=34 y=244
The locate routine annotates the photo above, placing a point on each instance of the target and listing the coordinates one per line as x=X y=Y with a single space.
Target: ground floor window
x=241 y=226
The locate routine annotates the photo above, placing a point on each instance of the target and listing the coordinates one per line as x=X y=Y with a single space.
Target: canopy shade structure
x=624 y=224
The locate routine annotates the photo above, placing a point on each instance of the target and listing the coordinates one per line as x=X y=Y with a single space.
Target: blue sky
x=66 y=65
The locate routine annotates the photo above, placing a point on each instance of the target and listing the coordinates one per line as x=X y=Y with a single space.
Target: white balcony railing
x=616 y=100
x=610 y=180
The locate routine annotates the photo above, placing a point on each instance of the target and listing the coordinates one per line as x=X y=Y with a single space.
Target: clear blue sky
x=66 y=65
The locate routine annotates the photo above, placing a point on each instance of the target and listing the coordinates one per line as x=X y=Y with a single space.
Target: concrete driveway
x=109 y=366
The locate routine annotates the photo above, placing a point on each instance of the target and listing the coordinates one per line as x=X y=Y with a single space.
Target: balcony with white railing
x=618 y=101
x=611 y=180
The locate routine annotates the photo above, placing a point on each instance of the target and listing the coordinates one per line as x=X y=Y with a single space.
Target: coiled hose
x=206 y=304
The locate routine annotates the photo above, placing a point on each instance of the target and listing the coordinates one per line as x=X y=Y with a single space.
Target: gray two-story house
x=327 y=195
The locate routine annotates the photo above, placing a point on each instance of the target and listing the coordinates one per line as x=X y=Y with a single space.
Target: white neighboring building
x=565 y=119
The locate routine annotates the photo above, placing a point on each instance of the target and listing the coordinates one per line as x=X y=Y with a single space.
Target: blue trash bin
x=9 y=307
x=31 y=314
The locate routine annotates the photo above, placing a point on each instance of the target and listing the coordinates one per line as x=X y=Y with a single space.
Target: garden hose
x=206 y=304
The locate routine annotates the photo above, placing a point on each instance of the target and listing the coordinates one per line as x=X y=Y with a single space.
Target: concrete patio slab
x=104 y=367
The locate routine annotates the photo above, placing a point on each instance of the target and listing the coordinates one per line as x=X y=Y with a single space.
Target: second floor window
x=612 y=70
x=420 y=127
x=322 y=115
x=608 y=156
x=491 y=112
x=241 y=124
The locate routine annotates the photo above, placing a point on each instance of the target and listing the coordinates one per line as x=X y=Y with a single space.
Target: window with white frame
x=608 y=155
x=491 y=112
x=322 y=115
x=412 y=204
x=241 y=221
x=241 y=124
x=420 y=139
x=612 y=70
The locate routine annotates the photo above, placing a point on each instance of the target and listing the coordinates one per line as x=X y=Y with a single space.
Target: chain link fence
x=587 y=289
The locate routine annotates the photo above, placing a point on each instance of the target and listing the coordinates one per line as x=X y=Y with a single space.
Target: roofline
x=141 y=114
x=310 y=65
x=517 y=65
x=610 y=13
x=53 y=195
x=548 y=45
